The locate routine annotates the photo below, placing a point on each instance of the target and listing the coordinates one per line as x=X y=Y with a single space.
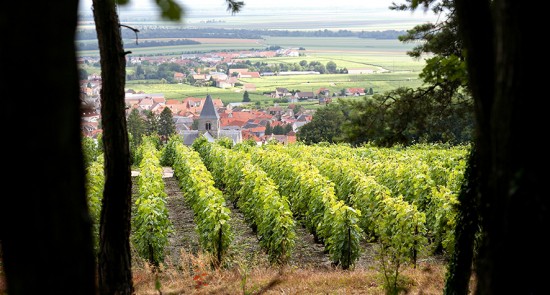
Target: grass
x=193 y=276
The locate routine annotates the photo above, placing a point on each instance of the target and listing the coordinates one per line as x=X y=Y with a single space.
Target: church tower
x=209 y=119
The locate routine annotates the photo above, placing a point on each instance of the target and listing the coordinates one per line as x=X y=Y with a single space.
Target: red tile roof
x=257 y=129
x=231 y=122
x=173 y=101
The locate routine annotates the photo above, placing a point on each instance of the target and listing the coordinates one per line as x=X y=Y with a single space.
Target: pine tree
x=268 y=129
x=278 y=130
x=136 y=126
x=151 y=123
x=166 y=126
x=246 y=97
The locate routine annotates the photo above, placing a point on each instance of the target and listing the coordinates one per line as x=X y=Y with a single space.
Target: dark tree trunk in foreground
x=514 y=211
x=115 y=275
x=45 y=228
x=467 y=225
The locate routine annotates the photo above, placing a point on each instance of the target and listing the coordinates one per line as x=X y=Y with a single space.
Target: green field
x=379 y=82
x=181 y=91
x=335 y=82
x=350 y=52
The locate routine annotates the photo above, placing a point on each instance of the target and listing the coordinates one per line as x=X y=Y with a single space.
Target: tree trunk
x=513 y=201
x=45 y=227
x=460 y=267
x=115 y=275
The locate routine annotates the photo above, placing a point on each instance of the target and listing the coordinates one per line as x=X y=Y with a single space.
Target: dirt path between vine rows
x=245 y=247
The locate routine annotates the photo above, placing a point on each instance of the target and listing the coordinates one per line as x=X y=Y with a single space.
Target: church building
x=209 y=126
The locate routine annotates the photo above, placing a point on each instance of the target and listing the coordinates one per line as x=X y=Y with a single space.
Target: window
x=208 y=126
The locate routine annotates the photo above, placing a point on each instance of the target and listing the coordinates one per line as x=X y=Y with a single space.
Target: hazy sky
x=372 y=10
x=191 y=4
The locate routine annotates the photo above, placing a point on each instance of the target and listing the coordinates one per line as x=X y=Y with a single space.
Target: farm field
x=335 y=82
x=249 y=269
x=309 y=269
x=346 y=52
x=350 y=53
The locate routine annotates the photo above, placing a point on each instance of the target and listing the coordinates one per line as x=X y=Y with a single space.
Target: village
x=208 y=116
x=236 y=120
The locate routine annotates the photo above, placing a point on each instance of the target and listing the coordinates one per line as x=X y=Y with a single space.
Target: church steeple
x=208 y=110
x=209 y=119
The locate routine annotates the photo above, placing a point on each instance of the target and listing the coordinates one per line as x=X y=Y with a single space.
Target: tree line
x=133 y=44
x=148 y=71
x=174 y=32
x=147 y=123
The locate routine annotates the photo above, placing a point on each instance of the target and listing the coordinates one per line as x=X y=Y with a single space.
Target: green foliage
x=82 y=74
x=441 y=111
x=150 y=222
x=441 y=70
x=169 y=150
x=407 y=116
x=257 y=196
x=381 y=211
x=427 y=177
x=100 y=145
x=151 y=122
x=268 y=129
x=225 y=142
x=441 y=38
x=343 y=243
x=246 y=144
x=211 y=214
x=331 y=67
x=278 y=130
x=312 y=199
x=246 y=96
x=95 y=182
x=136 y=127
x=326 y=125
x=166 y=127
x=234 y=6
x=90 y=150
x=170 y=9
x=145 y=141
x=399 y=234
x=403 y=198
x=133 y=148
